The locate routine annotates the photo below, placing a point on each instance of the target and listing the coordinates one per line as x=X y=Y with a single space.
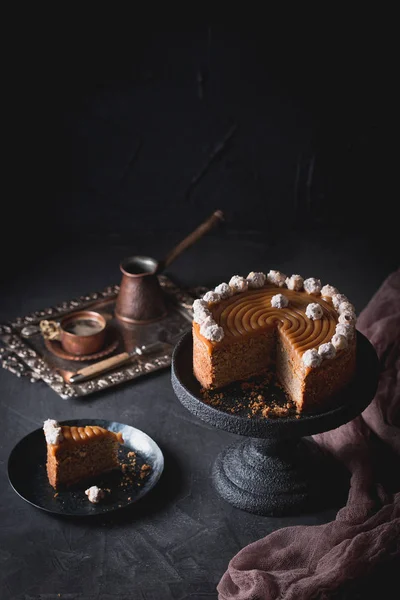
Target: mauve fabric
x=363 y=543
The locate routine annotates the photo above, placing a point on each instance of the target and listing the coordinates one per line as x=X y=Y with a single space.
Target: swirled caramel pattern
x=251 y=312
x=85 y=434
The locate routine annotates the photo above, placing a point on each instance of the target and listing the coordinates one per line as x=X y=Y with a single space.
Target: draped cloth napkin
x=357 y=554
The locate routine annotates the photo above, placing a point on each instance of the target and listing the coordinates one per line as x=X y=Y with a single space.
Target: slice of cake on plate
x=301 y=330
x=78 y=453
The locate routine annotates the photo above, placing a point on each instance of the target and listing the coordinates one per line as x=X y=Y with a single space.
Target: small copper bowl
x=79 y=333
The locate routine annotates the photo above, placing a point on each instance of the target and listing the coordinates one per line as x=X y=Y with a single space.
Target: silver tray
x=24 y=352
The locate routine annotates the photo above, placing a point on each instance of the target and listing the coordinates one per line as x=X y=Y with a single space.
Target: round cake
x=297 y=329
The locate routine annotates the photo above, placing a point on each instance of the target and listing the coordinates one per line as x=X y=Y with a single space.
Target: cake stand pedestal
x=276 y=470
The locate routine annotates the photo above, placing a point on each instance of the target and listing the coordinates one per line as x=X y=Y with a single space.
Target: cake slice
x=78 y=453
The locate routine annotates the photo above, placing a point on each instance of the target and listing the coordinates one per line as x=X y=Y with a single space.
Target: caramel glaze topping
x=251 y=312
x=84 y=434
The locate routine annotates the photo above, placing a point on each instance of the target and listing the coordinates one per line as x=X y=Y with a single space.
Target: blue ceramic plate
x=28 y=477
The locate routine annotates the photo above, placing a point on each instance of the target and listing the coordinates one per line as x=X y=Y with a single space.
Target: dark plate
x=351 y=401
x=28 y=477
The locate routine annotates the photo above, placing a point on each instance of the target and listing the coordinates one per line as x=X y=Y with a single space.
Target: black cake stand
x=276 y=470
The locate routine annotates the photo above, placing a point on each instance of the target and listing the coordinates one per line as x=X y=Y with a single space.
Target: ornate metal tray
x=25 y=353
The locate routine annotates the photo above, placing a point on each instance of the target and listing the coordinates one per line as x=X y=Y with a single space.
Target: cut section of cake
x=79 y=453
x=299 y=330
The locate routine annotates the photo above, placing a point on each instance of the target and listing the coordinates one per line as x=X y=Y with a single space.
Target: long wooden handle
x=100 y=367
x=193 y=237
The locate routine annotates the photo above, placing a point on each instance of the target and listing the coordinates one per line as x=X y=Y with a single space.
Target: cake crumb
x=254 y=398
x=144 y=471
x=94 y=494
x=132 y=473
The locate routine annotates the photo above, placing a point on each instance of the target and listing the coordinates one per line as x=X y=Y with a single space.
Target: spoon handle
x=193 y=237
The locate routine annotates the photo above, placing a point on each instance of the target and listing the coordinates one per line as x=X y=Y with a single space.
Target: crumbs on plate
x=133 y=472
x=258 y=397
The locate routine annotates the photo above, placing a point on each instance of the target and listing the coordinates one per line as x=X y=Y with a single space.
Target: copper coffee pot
x=140 y=299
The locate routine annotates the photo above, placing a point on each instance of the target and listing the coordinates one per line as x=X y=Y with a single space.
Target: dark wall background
x=143 y=130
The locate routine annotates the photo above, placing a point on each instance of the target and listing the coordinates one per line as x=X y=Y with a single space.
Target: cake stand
x=275 y=470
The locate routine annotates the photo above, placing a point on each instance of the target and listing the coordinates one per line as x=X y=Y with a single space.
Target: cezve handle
x=193 y=237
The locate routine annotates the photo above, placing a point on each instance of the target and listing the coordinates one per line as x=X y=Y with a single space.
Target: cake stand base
x=279 y=478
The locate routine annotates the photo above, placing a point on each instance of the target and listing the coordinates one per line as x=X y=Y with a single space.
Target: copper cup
x=80 y=333
x=140 y=298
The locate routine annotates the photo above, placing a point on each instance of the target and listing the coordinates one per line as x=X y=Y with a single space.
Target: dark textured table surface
x=177 y=541
x=124 y=148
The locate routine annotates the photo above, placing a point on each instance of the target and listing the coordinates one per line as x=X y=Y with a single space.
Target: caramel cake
x=79 y=453
x=299 y=330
